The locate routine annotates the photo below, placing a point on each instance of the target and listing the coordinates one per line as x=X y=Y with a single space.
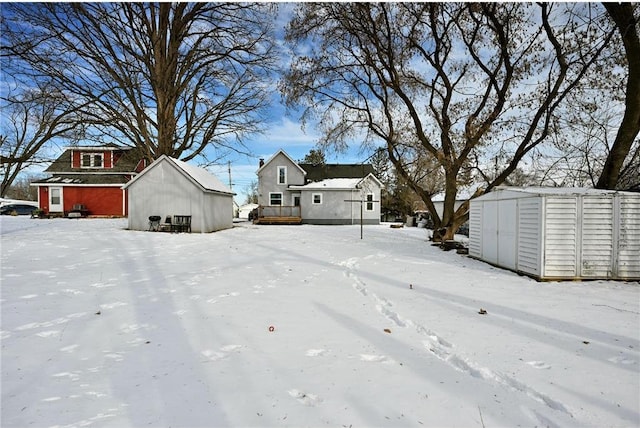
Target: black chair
x=181 y=223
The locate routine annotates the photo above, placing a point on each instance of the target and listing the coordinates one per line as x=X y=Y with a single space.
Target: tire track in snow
x=442 y=349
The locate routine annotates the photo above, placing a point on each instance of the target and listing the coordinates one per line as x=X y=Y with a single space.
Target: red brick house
x=91 y=176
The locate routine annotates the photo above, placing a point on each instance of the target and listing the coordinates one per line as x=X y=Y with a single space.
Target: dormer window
x=92 y=160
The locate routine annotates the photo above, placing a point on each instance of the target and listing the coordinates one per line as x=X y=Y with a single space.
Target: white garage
x=170 y=187
x=558 y=233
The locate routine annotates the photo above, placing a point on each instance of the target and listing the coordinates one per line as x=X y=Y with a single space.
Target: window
x=275 y=198
x=55 y=196
x=91 y=160
x=369 y=202
x=316 y=198
x=282 y=175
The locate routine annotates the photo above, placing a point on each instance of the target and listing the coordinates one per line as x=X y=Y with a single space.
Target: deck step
x=278 y=220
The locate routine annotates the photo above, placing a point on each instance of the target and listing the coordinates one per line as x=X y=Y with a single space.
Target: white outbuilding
x=170 y=187
x=558 y=233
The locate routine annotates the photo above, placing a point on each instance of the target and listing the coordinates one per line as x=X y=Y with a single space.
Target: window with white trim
x=275 y=198
x=369 y=205
x=316 y=198
x=282 y=175
x=91 y=160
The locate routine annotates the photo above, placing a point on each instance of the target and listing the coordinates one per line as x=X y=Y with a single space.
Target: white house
x=558 y=233
x=170 y=187
x=341 y=201
x=289 y=192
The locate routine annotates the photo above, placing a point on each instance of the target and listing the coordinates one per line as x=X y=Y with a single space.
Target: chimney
x=261 y=162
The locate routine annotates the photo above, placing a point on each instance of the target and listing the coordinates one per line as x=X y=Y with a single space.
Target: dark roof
x=86 y=179
x=325 y=171
x=125 y=164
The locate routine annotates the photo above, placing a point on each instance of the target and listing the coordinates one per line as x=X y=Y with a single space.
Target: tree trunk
x=625 y=20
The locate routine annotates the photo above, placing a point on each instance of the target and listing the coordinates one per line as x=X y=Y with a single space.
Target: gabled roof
x=274 y=156
x=125 y=164
x=199 y=176
x=325 y=171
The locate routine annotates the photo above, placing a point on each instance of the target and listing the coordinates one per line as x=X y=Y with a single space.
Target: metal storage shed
x=171 y=187
x=558 y=233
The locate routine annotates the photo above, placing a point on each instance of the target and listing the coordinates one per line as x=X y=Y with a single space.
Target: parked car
x=17 y=209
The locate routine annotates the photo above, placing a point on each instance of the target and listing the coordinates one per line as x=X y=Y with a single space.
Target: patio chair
x=181 y=223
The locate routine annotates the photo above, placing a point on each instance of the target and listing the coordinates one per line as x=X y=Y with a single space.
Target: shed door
x=55 y=200
x=490 y=232
x=507 y=239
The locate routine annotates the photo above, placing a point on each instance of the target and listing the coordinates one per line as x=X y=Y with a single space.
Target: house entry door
x=55 y=200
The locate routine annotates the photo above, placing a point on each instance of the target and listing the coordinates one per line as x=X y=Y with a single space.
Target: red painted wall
x=75 y=159
x=100 y=201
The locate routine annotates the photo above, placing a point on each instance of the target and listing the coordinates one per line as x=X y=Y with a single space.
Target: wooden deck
x=278 y=220
x=278 y=214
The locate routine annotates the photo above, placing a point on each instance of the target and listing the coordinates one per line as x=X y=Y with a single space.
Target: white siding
x=529 y=220
x=561 y=237
x=597 y=237
x=475 y=229
x=629 y=237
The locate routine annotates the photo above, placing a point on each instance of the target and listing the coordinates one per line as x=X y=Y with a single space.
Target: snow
x=299 y=326
x=332 y=183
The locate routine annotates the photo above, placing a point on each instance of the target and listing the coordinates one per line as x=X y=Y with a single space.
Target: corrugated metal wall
x=585 y=234
x=560 y=237
x=628 y=249
x=597 y=237
x=475 y=230
x=529 y=236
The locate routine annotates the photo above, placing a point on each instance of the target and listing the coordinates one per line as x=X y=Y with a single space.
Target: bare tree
x=30 y=120
x=252 y=192
x=626 y=19
x=167 y=78
x=456 y=82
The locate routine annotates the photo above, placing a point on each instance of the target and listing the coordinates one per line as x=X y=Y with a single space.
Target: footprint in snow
x=539 y=365
x=219 y=355
x=315 y=352
x=48 y=333
x=213 y=355
x=375 y=359
x=304 y=398
x=621 y=359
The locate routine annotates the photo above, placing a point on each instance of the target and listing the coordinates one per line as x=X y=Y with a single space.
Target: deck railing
x=278 y=211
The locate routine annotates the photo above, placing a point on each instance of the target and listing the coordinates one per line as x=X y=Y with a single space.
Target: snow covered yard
x=300 y=326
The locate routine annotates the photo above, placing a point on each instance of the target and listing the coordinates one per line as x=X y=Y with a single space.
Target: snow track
x=441 y=348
